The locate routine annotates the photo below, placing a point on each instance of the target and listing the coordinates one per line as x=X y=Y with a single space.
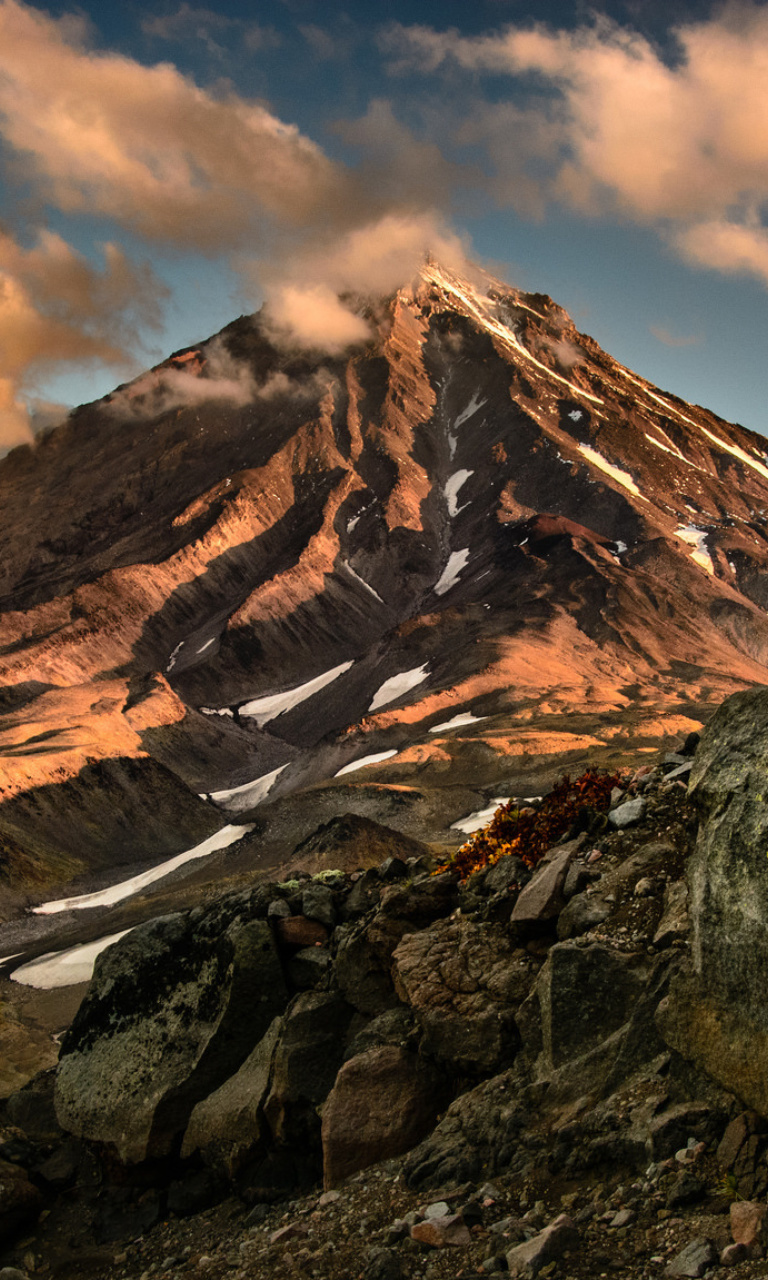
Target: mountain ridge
x=479 y=506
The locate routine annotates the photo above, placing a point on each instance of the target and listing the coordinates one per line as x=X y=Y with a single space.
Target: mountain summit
x=260 y=585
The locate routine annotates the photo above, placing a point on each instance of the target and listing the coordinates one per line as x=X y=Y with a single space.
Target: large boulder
x=173 y=1009
x=463 y=981
x=716 y=1013
x=383 y=1102
x=308 y=1054
x=227 y=1125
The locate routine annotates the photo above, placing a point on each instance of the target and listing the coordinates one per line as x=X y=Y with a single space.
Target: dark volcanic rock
x=169 y=1015
x=716 y=1012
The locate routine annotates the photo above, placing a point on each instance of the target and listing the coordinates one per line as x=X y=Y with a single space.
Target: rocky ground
x=472 y=1070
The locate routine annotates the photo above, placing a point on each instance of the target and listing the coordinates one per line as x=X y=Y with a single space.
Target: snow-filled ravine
x=64 y=968
x=118 y=892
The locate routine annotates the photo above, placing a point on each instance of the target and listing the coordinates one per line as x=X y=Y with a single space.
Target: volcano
x=260 y=587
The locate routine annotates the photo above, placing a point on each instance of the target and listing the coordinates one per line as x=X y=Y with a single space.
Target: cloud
x=669 y=339
x=211 y=374
x=726 y=246
x=306 y=300
x=100 y=133
x=606 y=126
x=56 y=307
x=195 y=23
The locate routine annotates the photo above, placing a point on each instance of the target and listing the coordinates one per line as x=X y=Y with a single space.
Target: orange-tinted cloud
x=368 y=261
x=99 y=132
x=625 y=132
x=55 y=307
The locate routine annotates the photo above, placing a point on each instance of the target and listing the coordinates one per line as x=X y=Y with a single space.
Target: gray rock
x=674 y=923
x=716 y=1013
x=382 y=1104
x=278 y=909
x=317 y=904
x=627 y=814
x=12 y=1273
x=694 y=1260
x=173 y=1010
x=542 y=898
x=463 y=984
x=478 y=1136
x=308 y=1054
x=583 y=912
x=308 y=967
x=549 y=1245
x=226 y=1125
x=383 y=1264
x=586 y=995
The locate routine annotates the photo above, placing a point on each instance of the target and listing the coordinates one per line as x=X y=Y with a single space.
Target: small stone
x=289 y=1232
x=329 y=1197
x=627 y=814
x=278 y=909
x=13 y=1273
x=549 y=1245
x=749 y=1226
x=645 y=888
x=622 y=1218
x=694 y=1259
x=439 y=1232
x=440 y=1209
x=731 y=1256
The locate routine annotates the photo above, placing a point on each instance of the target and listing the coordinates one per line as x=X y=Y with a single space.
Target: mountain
x=471 y=553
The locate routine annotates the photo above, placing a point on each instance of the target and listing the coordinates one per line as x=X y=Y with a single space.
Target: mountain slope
x=251 y=568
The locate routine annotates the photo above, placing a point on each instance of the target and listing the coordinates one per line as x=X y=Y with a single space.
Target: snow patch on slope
x=621 y=477
x=64 y=968
x=117 y=892
x=396 y=686
x=737 y=453
x=451 y=490
x=697 y=538
x=457 y=560
x=262 y=710
x=375 y=758
x=463 y=718
x=362 y=582
x=249 y=793
x=480 y=818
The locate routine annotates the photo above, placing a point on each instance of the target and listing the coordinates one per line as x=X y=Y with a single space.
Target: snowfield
x=117 y=892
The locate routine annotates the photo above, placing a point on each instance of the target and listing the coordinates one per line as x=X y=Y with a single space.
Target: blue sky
x=163 y=169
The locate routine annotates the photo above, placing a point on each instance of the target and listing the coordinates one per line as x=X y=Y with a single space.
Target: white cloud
x=605 y=125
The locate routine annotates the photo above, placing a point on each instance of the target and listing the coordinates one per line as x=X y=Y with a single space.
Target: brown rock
x=298 y=931
x=20 y=1202
x=749 y=1226
x=383 y=1102
x=549 y=1245
x=463 y=984
x=439 y=1232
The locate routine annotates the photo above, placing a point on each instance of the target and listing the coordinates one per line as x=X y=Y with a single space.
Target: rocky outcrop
x=171 y=1013
x=484 y=1047
x=716 y=1012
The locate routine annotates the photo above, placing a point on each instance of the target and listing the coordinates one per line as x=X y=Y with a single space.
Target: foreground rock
x=441 y=1035
x=716 y=1013
x=172 y=1011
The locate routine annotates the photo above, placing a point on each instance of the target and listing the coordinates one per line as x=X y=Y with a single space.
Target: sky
x=166 y=168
